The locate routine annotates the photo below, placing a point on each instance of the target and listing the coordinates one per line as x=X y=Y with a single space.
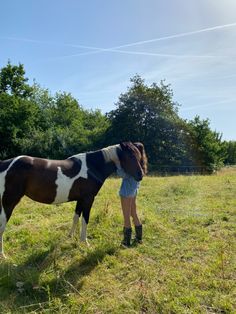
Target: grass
x=186 y=264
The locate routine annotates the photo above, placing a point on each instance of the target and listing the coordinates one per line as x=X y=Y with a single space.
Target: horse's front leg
x=87 y=204
x=83 y=234
x=74 y=225
x=83 y=207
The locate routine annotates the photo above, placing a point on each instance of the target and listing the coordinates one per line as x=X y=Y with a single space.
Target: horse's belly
x=62 y=193
x=50 y=195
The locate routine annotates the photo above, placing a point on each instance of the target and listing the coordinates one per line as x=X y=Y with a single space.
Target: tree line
x=35 y=122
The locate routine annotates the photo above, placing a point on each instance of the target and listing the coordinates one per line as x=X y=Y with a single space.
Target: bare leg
x=126 y=208
x=74 y=225
x=134 y=212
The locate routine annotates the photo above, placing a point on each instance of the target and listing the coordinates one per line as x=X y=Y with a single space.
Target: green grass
x=186 y=264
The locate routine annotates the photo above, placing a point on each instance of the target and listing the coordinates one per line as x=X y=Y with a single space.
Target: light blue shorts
x=129 y=187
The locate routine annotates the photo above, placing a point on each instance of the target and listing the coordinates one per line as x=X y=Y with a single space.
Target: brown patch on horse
x=83 y=188
x=41 y=184
x=72 y=167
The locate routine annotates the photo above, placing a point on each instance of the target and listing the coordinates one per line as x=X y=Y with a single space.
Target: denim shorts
x=129 y=187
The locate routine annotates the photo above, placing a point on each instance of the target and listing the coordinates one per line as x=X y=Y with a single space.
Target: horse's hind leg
x=3 y=222
x=7 y=204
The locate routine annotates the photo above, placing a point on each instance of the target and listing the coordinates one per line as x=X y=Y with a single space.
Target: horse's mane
x=144 y=160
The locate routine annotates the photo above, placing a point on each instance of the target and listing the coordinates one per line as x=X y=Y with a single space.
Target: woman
x=128 y=192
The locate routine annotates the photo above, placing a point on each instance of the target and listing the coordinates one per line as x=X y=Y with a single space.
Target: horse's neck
x=111 y=158
x=108 y=169
x=102 y=167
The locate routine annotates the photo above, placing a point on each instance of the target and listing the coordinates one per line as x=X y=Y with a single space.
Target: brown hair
x=144 y=160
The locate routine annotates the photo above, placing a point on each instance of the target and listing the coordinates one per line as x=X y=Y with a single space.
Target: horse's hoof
x=85 y=242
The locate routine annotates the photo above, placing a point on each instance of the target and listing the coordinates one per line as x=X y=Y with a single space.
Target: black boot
x=138 y=234
x=127 y=237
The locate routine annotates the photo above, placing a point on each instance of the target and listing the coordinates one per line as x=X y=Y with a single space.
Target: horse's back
x=16 y=162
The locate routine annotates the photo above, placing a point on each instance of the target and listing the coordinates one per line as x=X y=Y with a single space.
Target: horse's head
x=131 y=160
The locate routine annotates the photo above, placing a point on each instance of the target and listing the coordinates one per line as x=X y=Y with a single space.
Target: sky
x=92 y=48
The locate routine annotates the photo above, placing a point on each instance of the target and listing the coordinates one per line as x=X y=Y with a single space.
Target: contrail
x=142 y=53
x=203 y=30
x=35 y=41
x=117 y=49
x=209 y=104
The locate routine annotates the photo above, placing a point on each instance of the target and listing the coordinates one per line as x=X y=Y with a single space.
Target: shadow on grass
x=44 y=279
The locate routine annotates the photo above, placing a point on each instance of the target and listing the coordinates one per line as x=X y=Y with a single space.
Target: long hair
x=144 y=160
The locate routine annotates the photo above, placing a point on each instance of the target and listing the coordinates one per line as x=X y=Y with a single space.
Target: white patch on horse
x=3 y=218
x=110 y=154
x=83 y=235
x=74 y=225
x=64 y=183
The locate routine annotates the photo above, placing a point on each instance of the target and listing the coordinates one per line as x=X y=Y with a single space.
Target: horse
x=77 y=178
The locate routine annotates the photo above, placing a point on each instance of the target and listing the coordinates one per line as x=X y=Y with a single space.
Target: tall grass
x=185 y=265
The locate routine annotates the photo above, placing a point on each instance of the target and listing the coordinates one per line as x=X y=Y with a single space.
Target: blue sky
x=92 y=48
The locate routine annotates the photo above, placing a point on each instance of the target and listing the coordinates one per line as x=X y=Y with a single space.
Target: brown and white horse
x=78 y=178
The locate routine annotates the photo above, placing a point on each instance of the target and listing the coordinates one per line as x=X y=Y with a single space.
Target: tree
x=65 y=128
x=18 y=118
x=13 y=81
x=34 y=122
x=230 y=148
x=149 y=114
x=206 y=144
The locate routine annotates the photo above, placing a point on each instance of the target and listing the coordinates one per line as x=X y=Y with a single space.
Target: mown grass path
x=187 y=263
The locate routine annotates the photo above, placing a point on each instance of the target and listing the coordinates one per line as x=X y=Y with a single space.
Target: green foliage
x=230 y=148
x=207 y=144
x=35 y=122
x=148 y=114
x=13 y=81
x=19 y=118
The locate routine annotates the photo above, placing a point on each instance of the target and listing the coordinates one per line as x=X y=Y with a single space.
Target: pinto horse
x=77 y=178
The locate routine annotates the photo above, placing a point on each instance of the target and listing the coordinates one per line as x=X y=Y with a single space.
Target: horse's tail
x=4 y=164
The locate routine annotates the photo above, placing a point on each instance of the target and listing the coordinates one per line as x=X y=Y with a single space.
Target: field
x=187 y=263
